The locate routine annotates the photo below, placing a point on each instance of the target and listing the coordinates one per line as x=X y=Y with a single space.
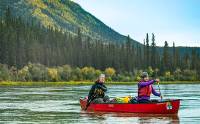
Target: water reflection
x=132 y=117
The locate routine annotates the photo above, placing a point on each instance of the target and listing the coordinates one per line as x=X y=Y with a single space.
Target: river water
x=61 y=105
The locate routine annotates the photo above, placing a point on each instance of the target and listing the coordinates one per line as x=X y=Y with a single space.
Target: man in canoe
x=145 y=89
x=97 y=92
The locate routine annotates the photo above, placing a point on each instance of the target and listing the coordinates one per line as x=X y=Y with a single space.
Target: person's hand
x=157 y=80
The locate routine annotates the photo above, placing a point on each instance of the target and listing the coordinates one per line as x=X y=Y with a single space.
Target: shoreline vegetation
x=12 y=83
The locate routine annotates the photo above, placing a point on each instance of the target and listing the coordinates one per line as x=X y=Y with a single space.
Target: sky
x=170 y=20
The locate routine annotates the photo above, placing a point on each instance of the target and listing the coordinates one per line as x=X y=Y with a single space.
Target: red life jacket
x=145 y=91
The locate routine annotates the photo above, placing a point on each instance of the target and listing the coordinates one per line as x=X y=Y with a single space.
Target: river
x=61 y=105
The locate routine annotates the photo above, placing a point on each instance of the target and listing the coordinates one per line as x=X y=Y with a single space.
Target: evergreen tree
x=147 y=50
x=194 y=59
x=166 y=58
x=144 y=55
x=128 y=54
x=186 y=61
x=153 y=52
x=174 y=63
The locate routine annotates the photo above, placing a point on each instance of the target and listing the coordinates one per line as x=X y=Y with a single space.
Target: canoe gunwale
x=165 y=101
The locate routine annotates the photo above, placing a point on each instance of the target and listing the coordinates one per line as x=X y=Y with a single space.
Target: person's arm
x=103 y=87
x=143 y=84
x=91 y=92
x=154 y=92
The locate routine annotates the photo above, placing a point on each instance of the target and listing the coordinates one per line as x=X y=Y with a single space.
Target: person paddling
x=145 y=89
x=97 y=91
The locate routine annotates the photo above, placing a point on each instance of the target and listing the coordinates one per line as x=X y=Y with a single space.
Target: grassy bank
x=10 y=83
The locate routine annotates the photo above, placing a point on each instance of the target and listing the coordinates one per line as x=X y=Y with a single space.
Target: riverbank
x=10 y=83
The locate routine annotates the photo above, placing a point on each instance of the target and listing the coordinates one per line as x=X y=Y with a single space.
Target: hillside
x=62 y=14
x=22 y=42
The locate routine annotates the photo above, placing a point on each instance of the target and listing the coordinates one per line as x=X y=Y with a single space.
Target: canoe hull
x=164 y=107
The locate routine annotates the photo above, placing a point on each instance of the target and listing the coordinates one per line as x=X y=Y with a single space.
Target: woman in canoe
x=97 y=92
x=145 y=89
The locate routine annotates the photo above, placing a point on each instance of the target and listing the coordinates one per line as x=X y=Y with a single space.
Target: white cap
x=102 y=76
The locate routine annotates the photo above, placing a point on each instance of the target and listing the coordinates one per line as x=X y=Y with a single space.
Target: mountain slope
x=62 y=14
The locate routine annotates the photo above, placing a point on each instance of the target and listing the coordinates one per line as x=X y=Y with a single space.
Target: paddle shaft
x=88 y=104
x=155 y=76
x=159 y=90
x=89 y=101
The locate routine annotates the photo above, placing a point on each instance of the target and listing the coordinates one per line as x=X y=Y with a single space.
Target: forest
x=31 y=52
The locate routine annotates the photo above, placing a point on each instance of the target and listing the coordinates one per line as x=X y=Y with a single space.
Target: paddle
x=155 y=75
x=89 y=101
x=159 y=90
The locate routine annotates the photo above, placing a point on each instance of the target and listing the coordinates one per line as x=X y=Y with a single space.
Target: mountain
x=64 y=15
x=27 y=36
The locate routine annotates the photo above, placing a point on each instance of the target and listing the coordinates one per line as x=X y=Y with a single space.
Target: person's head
x=102 y=78
x=145 y=76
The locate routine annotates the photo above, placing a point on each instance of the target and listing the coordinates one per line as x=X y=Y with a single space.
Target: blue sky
x=170 y=20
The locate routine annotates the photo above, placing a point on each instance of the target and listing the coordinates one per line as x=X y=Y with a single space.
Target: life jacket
x=145 y=91
x=99 y=93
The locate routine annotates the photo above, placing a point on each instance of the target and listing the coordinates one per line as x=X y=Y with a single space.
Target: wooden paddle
x=155 y=76
x=159 y=90
x=89 y=102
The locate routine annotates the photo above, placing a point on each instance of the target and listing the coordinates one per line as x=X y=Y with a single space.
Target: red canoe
x=162 y=107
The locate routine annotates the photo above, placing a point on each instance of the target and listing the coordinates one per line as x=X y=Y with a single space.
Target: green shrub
x=189 y=75
x=88 y=73
x=4 y=73
x=53 y=74
x=168 y=76
x=24 y=75
x=76 y=74
x=65 y=72
x=38 y=72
